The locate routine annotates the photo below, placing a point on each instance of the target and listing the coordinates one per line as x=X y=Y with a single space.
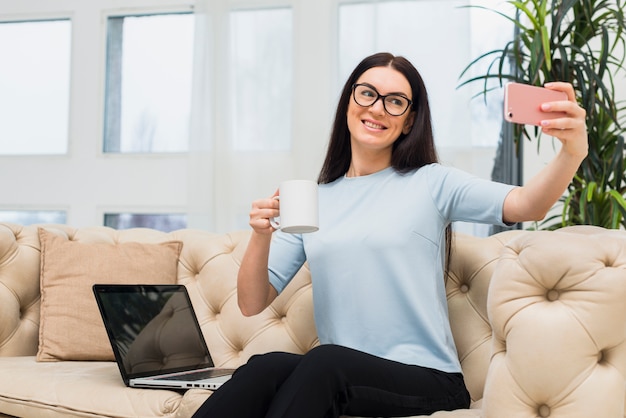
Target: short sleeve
x=286 y=257
x=460 y=196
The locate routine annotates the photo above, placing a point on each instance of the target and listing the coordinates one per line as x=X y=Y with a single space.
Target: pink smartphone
x=522 y=103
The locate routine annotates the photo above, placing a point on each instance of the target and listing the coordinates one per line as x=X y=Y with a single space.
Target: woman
x=377 y=262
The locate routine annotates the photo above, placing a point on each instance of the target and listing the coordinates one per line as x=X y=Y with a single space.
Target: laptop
x=156 y=337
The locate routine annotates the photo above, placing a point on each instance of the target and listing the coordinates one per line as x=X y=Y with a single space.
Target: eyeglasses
x=366 y=95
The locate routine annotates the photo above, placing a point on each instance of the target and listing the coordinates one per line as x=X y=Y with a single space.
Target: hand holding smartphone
x=522 y=103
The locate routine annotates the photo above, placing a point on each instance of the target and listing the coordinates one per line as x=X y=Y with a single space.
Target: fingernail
x=545 y=123
x=545 y=106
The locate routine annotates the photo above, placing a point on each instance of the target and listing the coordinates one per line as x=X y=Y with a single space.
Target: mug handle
x=275 y=220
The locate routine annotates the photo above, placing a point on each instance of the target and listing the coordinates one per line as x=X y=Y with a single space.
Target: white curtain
x=201 y=164
x=261 y=107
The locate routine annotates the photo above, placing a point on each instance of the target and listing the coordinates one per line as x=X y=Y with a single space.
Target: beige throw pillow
x=70 y=325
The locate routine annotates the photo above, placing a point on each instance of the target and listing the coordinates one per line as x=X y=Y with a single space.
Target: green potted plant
x=582 y=42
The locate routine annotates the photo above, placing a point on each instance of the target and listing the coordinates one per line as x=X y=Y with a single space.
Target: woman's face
x=372 y=128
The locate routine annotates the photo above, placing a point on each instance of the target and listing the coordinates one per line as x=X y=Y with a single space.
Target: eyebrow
x=397 y=93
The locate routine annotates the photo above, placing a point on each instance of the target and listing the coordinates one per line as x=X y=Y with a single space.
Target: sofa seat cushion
x=78 y=388
x=459 y=413
x=88 y=388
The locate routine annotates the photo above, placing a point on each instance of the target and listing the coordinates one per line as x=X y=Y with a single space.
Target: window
x=34 y=87
x=30 y=217
x=148 y=83
x=161 y=222
x=261 y=80
x=400 y=27
x=490 y=31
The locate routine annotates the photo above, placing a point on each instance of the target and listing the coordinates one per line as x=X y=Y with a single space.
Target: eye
x=396 y=101
x=366 y=92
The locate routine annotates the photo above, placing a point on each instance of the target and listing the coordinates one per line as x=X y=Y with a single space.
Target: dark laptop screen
x=152 y=328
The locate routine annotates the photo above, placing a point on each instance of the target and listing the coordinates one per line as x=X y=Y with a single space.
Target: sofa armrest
x=557 y=305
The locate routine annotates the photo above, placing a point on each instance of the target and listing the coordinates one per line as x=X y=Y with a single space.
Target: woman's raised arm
x=532 y=201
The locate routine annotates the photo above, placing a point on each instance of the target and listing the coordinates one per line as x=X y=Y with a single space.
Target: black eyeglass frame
x=380 y=97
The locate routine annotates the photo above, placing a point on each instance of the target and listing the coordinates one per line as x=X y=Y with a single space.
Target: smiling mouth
x=373 y=125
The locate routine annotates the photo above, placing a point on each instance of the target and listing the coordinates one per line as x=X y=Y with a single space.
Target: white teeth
x=373 y=125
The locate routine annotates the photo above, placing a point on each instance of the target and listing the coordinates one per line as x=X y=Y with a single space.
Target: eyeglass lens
x=394 y=104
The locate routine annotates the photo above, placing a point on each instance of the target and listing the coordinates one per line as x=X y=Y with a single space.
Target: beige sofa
x=538 y=319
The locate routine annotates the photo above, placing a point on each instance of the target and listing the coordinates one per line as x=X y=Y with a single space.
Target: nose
x=377 y=107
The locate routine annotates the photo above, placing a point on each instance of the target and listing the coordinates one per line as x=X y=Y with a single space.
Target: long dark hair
x=410 y=151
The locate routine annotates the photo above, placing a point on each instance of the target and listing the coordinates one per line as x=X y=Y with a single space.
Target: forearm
x=254 y=292
x=533 y=201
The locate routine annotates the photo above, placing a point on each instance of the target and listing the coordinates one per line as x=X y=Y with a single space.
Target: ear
x=408 y=123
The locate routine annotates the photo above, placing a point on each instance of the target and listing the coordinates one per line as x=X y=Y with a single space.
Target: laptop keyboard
x=198 y=375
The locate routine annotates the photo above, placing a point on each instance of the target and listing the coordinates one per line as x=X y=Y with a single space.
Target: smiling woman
x=376 y=120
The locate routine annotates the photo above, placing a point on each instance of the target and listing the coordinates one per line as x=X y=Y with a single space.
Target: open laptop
x=156 y=337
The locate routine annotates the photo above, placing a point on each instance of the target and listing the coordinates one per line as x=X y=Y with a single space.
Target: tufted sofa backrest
x=208 y=266
x=19 y=290
x=472 y=264
x=557 y=307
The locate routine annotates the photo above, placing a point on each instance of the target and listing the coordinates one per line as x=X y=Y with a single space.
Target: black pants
x=330 y=381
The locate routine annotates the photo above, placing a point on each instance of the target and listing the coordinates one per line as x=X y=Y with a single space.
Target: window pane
x=161 y=222
x=489 y=32
x=261 y=79
x=34 y=87
x=392 y=26
x=30 y=217
x=148 y=83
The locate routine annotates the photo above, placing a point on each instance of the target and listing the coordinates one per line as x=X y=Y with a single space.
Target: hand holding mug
x=298 y=211
x=262 y=211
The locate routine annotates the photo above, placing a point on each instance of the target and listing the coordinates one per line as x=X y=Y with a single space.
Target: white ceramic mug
x=298 y=207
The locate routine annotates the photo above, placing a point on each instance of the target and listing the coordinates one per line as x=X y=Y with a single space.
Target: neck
x=368 y=161
x=356 y=170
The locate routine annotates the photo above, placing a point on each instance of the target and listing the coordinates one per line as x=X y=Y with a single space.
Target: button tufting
x=552 y=295
x=544 y=411
x=464 y=288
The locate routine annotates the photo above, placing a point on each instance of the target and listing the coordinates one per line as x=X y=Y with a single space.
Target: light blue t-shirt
x=377 y=260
